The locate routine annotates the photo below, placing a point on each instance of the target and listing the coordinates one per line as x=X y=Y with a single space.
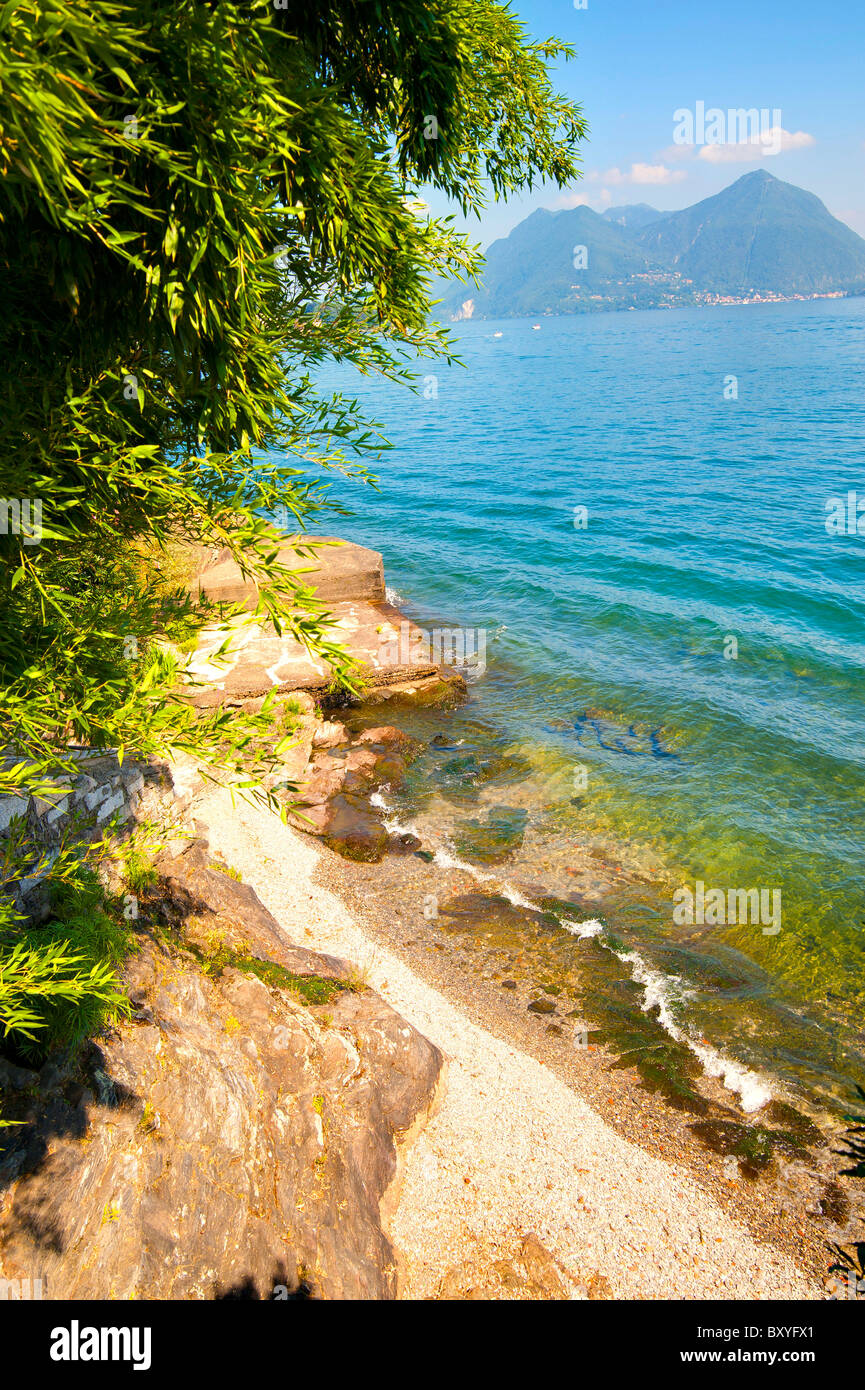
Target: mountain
x=634 y=216
x=759 y=234
x=758 y=238
x=538 y=268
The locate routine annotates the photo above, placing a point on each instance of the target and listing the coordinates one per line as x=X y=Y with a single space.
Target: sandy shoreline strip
x=510 y=1149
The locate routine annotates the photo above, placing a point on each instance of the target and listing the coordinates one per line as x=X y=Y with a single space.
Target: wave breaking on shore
x=661 y=991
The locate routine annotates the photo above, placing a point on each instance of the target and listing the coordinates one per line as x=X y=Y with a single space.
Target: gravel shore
x=511 y=1150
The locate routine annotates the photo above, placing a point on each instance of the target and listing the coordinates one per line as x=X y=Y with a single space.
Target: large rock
x=340 y=571
x=334 y=801
x=439 y=688
x=231 y=1139
x=196 y=889
x=239 y=661
x=354 y=831
x=522 y=1271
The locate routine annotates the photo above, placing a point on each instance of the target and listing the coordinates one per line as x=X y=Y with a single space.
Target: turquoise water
x=606 y=645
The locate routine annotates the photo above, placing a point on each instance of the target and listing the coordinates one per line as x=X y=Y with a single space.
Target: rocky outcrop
x=234 y=1138
x=339 y=571
x=524 y=1270
x=240 y=659
x=236 y=1135
x=333 y=799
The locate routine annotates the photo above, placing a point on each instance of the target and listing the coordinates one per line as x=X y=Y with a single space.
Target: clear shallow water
x=606 y=645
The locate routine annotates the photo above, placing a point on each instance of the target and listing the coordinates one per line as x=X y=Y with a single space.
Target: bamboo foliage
x=200 y=203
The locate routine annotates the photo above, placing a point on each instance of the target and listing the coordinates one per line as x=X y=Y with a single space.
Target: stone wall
x=81 y=806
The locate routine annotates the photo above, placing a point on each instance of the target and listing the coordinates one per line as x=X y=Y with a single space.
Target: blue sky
x=638 y=61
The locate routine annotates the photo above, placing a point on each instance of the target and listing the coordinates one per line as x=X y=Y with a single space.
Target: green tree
x=199 y=204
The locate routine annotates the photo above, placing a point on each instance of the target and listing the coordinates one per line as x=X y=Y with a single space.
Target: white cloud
x=773 y=141
x=655 y=173
x=641 y=174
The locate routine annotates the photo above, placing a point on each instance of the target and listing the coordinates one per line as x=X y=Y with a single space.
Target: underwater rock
x=494 y=839
x=405 y=843
x=386 y=737
x=354 y=832
x=755 y=1145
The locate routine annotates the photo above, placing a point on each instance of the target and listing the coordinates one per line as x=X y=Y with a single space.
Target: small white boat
x=497 y=335
x=535 y=327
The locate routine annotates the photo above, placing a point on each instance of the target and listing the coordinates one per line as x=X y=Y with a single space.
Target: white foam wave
x=664 y=991
x=584 y=930
x=392 y=825
x=446 y=860
x=753 y=1090
x=398 y=827
x=660 y=991
x=515 y=897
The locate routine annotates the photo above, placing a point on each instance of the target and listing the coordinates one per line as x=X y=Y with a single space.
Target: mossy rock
x=354 y=832
x=755 y=1145
x=613 y=1003
x=495 y=839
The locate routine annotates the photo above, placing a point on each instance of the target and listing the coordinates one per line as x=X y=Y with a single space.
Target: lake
x=632 y=509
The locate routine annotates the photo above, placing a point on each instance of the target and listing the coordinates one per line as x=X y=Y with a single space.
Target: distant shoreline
x=708 y=302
